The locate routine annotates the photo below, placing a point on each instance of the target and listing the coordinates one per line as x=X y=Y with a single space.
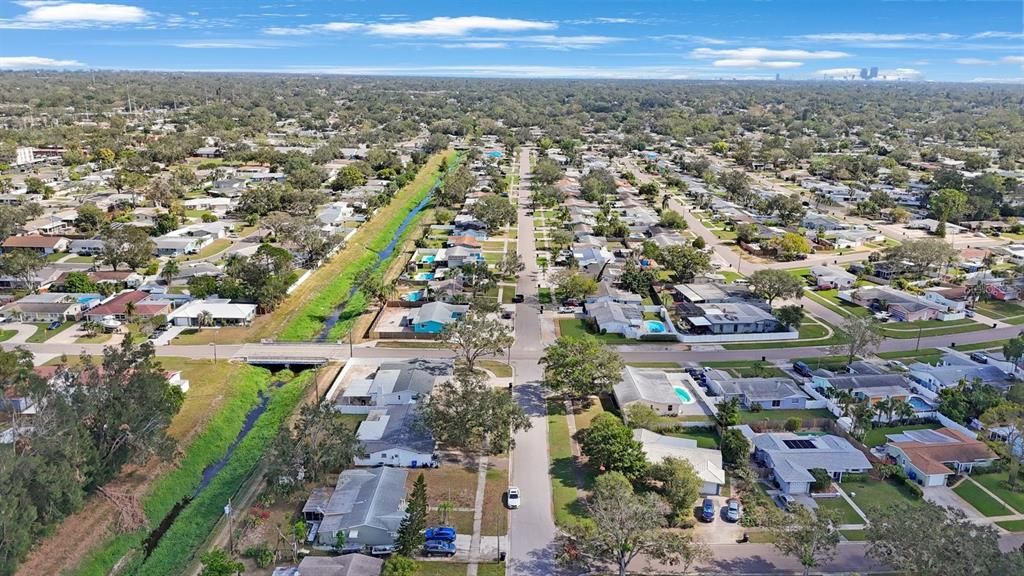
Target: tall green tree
x=581 y=366
x=474 y=335
x=410 y=531
x=608 y=444
x=810 y=537
x=863 y=335
x=771 y=283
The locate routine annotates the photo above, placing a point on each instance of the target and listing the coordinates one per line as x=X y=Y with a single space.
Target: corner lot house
x=707 y=463
x=222 y=311
x=768 y=393
x=367 y=505
x=736 y=318
x=393 y=383
x=931 y=456
x=826 y=278
x=431 y=318
x=791 y=457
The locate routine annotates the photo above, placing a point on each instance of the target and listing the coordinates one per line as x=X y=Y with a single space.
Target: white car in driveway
x=512 y=497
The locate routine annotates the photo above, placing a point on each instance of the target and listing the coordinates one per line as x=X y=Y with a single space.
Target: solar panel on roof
x=799 y=444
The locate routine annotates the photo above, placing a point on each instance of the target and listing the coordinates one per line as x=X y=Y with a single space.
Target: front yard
x=576 y=327
x=994 y=483
x=842 y=508
x=874 y=495
x=980 y=500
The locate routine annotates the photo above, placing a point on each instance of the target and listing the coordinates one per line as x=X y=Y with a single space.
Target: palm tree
x=205 y=318
x=861 y=413
x=129 y=311
x=169 y=271
x=845 y=400
x=902 y=409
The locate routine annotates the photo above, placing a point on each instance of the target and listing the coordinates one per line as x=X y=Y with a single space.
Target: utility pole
x=919 y=329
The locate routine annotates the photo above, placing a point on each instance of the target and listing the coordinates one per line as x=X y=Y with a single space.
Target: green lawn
x=499 y=369
x=981 y=501
x=706 y=438
x=731 y=276
x=1012 y=525
x=990 y=345
x=809 y=330
x=830 y=299
x=576 y=328
x=998 y=309
x=905 y=330
x=665 y=365
x=783 y=415
x=446 y=568
x=846 y=513
x=6 y=335
x=827 y=362
x=855 y=535
x=876 y=436
x=80 y=260
x=994 y=482
x=925 y=355
x=213 y=248
x=568 y=510
x=874 y=495
x=42 y=334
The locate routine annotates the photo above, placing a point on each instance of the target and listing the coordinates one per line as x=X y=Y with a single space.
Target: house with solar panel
x=791 y=457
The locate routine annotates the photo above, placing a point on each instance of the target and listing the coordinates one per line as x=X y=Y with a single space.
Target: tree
x=649 y=190
x=320 y=443
x=729 y=412
x=947 y=204
x=678 y=484
x=473 y=336
x=919 y=256
x=400 y=566
x=642 y=416
x=790 y=245
x=511 y=264
x=863 y=336
x=572 y=285
x=790 y=316
x=670 y=219
x=78 y=283
x=685 y=262
x=218 y=562
x=1009 y=416
x=735 y=447
x=788 y=210
x=348 y=177
x=494 y=211
x=580 y=366
x=900 y=215
x=546 y=171
x=22 y=264
x=597 y=184
x=90 y=218
x=624 y=525
x=636 y=279
x=465 y=413
x=770 y=283
x=810 y=537
x=608 y=445
x=746 y=233
x=170 y=270
x=126 y=245
x=951 y=545
x=410 y=531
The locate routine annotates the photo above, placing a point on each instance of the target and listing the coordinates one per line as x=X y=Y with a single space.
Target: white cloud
x=838 y=72
x=312 y=29
x=603 y=21
x=999 y=34
x=691 y=39
x=996 y=80
x=973 y=62
x=477 y=45
x=458 y=26
x=1014 y=60
x=32 y=62
x=82 y=12
x=509 y=71
x=224 y=44
x=553 y=42
x=766 y=54
x=855 y=37
x=746 y=63
x=883 y=75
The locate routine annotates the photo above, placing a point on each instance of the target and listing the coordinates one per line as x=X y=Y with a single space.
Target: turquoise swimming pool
x=684 y=395
x=425 y=276
x=428 y=258
x=413 y=296
x=654 y=326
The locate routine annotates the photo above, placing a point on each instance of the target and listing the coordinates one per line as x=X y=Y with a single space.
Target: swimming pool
x=684 y=395
x=413 y=296
x=654 y=326
x=919 y=405
x=428 y=258
x=425 y=276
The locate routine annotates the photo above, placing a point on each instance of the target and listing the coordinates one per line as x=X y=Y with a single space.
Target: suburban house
x=50 y=307
x=827 y=278
x=174 y=246
x=42 y=244
x=931 y=456
x=706 y=462
x=366 y=506
x=458 y=256
x=432 y=317
x=790 y=457
x=345 y=565
x=128 y=278
x=733 y=318
x=952 y=369
x=654 y=388
x=132 y=301
x=716 y=293
x=607 y=291
x=393 y=383
x=870 y=387
x=904 y=307
x=220 y=311
x=391 y=437
x=616 y=318
x=86 y=247
x=768 y=393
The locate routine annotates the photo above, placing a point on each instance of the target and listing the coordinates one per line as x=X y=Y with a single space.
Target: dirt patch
x=495 y=515
x=88 y=528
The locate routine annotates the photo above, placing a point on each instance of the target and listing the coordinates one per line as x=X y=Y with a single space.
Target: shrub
x=793 y=424
x=261 y=554
x=886 y=471
x=822 y=479
x=915 y=490
x=755 y=407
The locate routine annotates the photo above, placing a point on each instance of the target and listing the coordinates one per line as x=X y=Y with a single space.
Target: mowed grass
x=301 y=315
x=876 y=436
x=994 y=483
x=846 y=513
x=1012 y=525
x=212 y=249
x=783 y=415
x=705 y=437
x=980 y=500
x=576 y=328
x=567 y=507
x=874 y=495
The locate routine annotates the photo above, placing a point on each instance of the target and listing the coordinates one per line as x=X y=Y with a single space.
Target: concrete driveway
x=718 y=531
x=944 y=496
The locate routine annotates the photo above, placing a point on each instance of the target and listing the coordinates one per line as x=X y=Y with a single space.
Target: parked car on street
x=512 y=497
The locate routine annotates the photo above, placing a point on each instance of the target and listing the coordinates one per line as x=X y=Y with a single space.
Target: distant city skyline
x=962 y=41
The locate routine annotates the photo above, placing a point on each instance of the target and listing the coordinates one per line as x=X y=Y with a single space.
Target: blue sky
x=958 y=40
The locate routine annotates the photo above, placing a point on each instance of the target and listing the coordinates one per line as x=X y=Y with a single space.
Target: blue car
x=444 y=533
x=707 y=512
x=438 y=548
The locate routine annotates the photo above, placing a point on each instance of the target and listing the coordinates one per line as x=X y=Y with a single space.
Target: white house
x=828 y=278
x=391 y=437
x=706 y=462
x=222 y=311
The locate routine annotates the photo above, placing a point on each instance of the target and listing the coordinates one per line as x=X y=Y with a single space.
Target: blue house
x=431 y=318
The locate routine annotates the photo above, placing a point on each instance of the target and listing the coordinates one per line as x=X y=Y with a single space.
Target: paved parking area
x=718 y=531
